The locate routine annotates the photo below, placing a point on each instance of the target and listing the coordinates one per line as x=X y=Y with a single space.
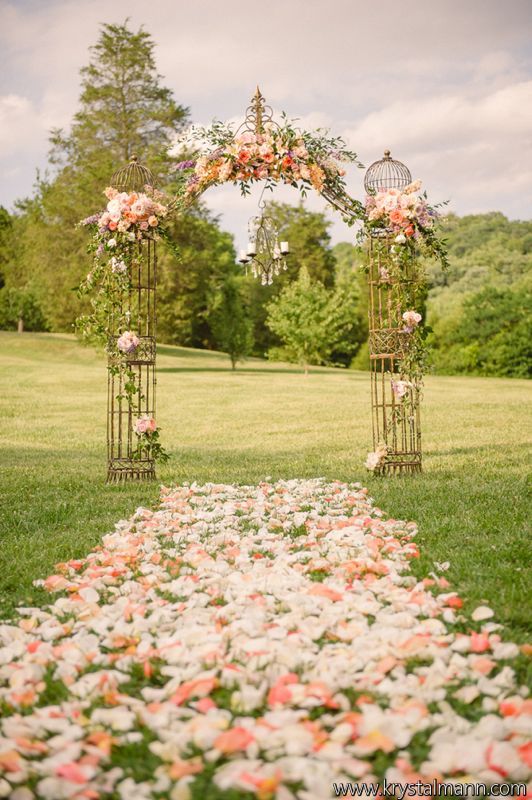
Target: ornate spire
x=257 y=114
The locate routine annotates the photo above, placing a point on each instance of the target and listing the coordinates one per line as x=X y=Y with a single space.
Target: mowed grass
x=265 y=420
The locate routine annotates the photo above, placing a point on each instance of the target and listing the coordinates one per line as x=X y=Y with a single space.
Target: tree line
x=315 y=313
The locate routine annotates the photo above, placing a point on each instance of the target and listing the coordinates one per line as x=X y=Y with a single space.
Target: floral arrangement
x=128 y=342
x=408 y=219
x=265 y=642
x=280 y=153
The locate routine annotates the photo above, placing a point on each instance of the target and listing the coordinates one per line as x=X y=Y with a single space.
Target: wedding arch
x=397 y=227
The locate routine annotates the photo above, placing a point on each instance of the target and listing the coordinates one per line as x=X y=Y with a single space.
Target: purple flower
x=184 y=165
x=90 y=220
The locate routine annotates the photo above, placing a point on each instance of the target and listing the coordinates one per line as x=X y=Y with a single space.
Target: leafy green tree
x=20 y=305
x=230 y=320
x=123 y=109
x=490 y=335
x=310 y=320
x=478 y=310
x=186 y=286
x=20 y=310
x=350 y=281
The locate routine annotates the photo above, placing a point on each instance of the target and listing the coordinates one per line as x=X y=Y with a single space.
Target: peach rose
x=396 y=217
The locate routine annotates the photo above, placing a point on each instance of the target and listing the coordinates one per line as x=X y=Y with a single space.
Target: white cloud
x=446 y=86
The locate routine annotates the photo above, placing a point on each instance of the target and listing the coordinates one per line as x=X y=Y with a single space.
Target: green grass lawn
x=264 y=420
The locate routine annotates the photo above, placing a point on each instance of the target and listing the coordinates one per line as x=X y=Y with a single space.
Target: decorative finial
x=134 y=157
x=258 y=109
x=387 y=154
x=257 y=115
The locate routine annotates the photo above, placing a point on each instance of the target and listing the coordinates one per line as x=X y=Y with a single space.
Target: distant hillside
x=481 y=309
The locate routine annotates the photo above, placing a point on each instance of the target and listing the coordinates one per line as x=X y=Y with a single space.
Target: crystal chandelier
x=265 y=254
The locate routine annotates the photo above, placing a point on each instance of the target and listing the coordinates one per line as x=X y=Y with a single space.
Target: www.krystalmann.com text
x=432 y=789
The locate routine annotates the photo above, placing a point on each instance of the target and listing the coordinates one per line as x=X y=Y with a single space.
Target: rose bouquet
x=407 y=218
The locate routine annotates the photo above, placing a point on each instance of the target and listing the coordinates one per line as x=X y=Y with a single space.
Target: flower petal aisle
x=254 y=642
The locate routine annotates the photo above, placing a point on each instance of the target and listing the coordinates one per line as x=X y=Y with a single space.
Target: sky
x=446 y=86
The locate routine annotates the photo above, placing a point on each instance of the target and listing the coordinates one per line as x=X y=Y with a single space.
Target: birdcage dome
x=133 y=177
x=386 y=173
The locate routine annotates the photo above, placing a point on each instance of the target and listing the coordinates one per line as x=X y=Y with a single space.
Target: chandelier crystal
x=265 y=254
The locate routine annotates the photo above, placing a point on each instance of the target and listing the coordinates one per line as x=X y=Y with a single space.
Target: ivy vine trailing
x=117 y=247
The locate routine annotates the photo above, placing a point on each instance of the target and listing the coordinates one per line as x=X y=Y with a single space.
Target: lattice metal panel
x=396 y=421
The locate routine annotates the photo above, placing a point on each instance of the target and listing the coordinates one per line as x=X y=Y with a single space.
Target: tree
x=310 y=320
x=186 y=286
x=123 y=108
x=20 y=309
x=231 y=323
x=491 y=334
x=20 y=305
x=351 y=281
x=310 y=246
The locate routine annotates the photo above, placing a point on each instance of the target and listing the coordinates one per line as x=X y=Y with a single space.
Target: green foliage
x=186 y=286
x=491 y=336
x=230 y=320
x=123 y=109
x=310 y=321
x=479 y=310
x=21 y=306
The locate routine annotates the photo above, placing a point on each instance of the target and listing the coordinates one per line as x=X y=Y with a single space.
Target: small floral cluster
x=407 y=217
x=405 y=213
x=128 y=342
x=260 y=642
x=129 y=211
x=377 y=458
x=277 y=154
x=148 y=445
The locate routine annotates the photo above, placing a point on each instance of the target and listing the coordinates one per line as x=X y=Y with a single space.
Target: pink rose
x=153 y=221
x=145 y=424
x=412 y=318
x=396 y=217
x=400 y=388
x=128 y=342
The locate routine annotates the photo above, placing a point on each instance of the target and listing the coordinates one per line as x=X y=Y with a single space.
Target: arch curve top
x=264 y=150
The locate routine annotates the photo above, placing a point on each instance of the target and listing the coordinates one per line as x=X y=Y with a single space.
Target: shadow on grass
x=251 y=370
